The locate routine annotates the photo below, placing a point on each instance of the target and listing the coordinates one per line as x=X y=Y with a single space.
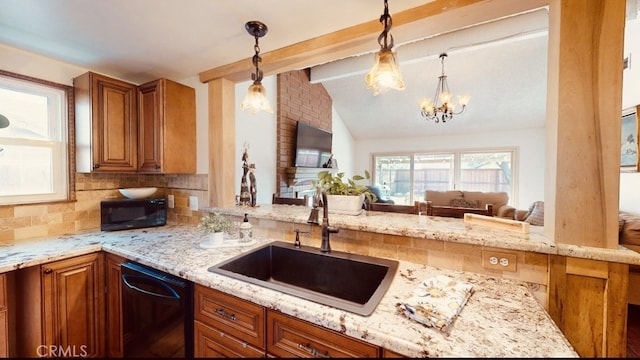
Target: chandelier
x=256 y=98
x=385 y=73
x=444 y=108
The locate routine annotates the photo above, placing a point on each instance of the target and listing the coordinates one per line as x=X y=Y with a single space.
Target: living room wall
x=630 y=181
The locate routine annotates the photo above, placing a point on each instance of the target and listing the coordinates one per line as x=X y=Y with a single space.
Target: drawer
x=240 y=318
x=288 y=336
x=212 y=343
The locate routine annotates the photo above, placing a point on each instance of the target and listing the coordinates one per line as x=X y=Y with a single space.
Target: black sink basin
x=351 y=282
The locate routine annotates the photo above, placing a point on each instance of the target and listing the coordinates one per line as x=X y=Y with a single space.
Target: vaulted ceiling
x=501 y=65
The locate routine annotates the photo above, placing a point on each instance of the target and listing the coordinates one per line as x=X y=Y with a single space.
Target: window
x=405 y=177
x=34 y=147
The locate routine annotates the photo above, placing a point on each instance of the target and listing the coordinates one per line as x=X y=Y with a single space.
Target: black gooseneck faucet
x=325 y=245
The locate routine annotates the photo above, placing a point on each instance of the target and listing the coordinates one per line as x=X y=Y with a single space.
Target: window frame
x=515 y=156
x=70 y=136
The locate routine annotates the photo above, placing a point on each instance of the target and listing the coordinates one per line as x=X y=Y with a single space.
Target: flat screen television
x=313 y=146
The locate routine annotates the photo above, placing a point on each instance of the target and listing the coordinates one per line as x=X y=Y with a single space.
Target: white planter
x=214 y=239
x=345 y=204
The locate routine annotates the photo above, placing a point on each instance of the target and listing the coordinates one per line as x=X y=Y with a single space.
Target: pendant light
x=256 y=98
x=385 y=73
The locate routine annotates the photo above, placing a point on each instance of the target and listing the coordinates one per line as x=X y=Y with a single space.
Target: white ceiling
x=141 y=40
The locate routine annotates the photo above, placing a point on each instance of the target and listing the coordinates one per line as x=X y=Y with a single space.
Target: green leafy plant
x=339 y=185
x=215 y=222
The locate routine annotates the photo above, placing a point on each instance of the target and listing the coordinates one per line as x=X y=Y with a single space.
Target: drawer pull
x=313 y=351
x=226 y=315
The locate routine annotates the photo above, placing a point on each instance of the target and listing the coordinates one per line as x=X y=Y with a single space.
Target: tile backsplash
x=27 y=221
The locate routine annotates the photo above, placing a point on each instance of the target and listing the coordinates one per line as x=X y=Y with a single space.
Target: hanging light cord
x=444 y=87
x=385 y=39
x=257 y=77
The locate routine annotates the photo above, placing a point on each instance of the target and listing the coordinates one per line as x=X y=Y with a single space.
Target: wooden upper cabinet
x=167 y=128
x=106 y=124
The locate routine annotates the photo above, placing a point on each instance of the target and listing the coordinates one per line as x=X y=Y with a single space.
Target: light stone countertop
x=439 y=228
x=501 y=318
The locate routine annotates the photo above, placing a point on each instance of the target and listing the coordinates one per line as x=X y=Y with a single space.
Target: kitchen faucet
x=325 y=246
x=317 y=200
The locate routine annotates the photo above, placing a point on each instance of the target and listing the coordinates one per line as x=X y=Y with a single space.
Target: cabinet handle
x=313 y=351
x=157 y=167
x=225 y=314
x=48 y=270
x=95 y=166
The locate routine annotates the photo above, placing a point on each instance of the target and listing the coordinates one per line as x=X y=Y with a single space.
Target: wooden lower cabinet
x=62 y=311
x=291 y=337
x=227 y=326
x=114 y=330
x=216 y=343
x=4 y=318
x=588 y=302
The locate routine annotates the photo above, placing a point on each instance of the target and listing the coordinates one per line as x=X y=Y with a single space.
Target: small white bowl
x=138 y=193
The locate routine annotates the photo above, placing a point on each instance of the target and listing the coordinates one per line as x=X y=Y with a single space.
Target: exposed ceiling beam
x=432 y=18
x=515 y=28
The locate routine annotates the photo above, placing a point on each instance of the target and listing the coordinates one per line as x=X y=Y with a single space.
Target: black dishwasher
x=157 y=313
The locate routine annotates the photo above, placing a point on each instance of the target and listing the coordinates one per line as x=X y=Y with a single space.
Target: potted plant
x=215 y=224
x=345 y=195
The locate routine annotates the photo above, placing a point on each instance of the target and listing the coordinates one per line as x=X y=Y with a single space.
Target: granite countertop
x=501 y=318
x=439 y=228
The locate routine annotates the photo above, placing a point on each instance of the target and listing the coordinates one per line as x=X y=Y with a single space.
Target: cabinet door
x=106 y=124
x=4 y=319
x=167 y=127
x=288 y=336
x=150 y=132
x=73 y=306
x=114 y=341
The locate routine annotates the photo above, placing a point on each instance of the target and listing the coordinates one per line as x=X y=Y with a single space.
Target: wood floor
x=633 y=332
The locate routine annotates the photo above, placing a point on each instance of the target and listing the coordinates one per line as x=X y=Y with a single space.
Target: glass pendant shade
x=385 y=73
x=256 y=99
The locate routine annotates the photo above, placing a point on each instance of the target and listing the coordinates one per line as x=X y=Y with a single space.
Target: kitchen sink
x=350 y=282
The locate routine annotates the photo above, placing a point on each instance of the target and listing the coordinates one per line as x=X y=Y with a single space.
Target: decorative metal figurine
x=253 y=185
x=245 y=196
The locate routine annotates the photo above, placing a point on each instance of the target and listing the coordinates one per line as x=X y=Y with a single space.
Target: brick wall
x=298 y=100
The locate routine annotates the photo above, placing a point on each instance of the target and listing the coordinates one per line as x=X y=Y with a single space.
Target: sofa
x=472 y=199
x=629 y=230
x=629 y=237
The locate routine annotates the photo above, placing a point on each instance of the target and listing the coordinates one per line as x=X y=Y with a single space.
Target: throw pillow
x=464 y=203
x=536 y=214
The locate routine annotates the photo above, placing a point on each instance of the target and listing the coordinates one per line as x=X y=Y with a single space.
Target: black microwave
x=132 y=213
